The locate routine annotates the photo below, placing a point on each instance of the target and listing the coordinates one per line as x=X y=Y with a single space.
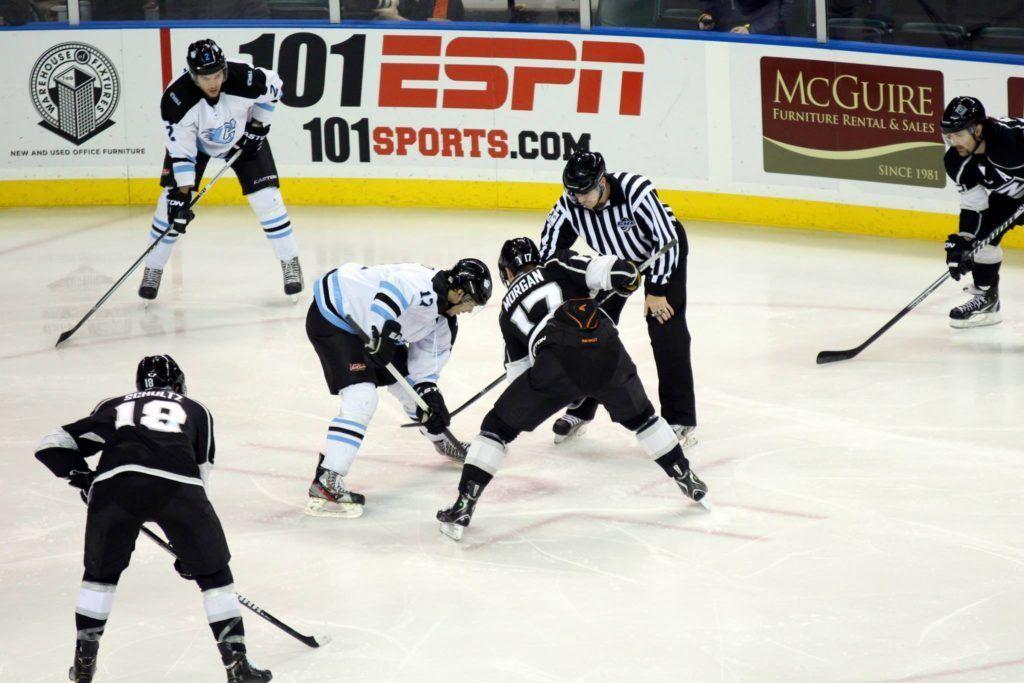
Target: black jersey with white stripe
x=633 y=224
x=157 y=432
x=534 y=295
x=999 y=170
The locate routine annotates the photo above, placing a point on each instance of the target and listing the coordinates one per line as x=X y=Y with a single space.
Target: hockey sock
x=474 y=480
x=161 y=252
x=986 y=266
x=660 y=443
x=268 y=205
x=674 y=462
x=346 y=431
x=92 y=608
x=484 y=455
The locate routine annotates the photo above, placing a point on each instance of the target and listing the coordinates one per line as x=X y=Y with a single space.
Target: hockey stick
x=608 y=295
x=833 y=356
x=66 y=334
x=311 y=641
x=406 y=387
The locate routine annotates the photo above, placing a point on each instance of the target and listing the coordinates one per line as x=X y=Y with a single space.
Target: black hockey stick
x=406 y=387
x=608 y=295
x=833 y=356
x=67 y=333
x=311 y=641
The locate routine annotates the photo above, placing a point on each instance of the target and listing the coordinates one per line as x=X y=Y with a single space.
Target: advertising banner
x=852 y=121
x=1015 y=96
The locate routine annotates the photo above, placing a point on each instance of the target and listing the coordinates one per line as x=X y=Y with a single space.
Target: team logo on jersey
x=625 y=224
x=75 y=88
x=222 y=134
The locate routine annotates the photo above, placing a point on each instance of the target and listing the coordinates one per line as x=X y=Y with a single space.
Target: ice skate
x=240 y=668
x=328 y=496
x=445 y=448
x=981 y=310
x=691 y=486
x=569 y=426
x=685 y=435
x=455 y=519
x=292 y=272
x=84 y=667
x=150 y=283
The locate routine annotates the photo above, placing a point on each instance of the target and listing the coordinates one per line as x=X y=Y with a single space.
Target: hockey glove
x=958 y=254
x=436 y=419
x=252 y=140
x=384 y=344
x=81 y=479
x=625 y=277
x=179 y=212
x=182 y=572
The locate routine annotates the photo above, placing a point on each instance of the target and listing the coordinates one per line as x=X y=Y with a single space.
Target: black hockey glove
x=252 y=140
x=182 y=572
x=625 y=277
x=958 y=254
x=385 y=342
x=179 y=213
x=81 y=479
x=436 y=419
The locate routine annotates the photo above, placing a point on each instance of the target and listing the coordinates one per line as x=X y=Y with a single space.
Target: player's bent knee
x=486 y=453
x=501 y=430
x=108 y=578
x=657 y=438
x=266 y=200
x=643 y=420
x=218 y=579
x=358 y=402
x=989 y=254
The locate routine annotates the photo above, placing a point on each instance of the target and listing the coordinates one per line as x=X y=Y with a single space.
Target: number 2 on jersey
x=160 y=416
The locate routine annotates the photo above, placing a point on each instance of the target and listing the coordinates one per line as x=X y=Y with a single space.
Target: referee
x=620 y=214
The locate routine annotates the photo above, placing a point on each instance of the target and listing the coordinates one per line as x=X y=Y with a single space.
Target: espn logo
x=515 y=83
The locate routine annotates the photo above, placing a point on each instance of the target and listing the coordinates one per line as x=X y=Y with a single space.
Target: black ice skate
x=691 y=485
x=445 y=448
x=455 y=519
x=568 y=426
x=84 y=667
x=685 y=435
x=981 y=310
x=239 y=668
x=328 y=496
x=150 y=283
x=292 y=272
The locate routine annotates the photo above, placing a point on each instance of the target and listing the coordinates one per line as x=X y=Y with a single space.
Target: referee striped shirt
x=633 y=224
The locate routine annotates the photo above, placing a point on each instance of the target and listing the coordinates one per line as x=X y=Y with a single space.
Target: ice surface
x=867 y=521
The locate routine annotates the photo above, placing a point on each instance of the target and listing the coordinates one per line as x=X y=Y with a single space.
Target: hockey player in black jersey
x=986 y=161
x=560 y=345
x=215 y=108
x=157 y=449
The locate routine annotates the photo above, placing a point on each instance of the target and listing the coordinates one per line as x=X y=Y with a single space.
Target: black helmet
x=515 y=254
x=159 y=372
x=472 y=277
x=962 y=112
x=583 y=171
x=205 y=57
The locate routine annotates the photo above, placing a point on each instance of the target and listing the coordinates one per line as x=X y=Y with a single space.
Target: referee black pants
x=671 y=345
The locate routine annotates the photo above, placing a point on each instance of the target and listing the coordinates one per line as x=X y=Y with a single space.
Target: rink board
x=752 y=132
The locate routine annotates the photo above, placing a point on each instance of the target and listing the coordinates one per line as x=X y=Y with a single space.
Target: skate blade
x=689 y=442
x=452 y=531
x=982 y=320
x=704 y=503
x=569 y=437
x=294 y=298
x=318 y=507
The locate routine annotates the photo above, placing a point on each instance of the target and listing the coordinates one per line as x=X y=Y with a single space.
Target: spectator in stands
x=748 y=16
x=214 y=9
x=16 y=12
x=404 y=10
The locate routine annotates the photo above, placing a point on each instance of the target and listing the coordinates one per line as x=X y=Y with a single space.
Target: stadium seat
x=999 y=39
x=927 y=34
x=863 y=30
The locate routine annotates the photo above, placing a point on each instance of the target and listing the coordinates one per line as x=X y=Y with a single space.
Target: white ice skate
x=981 y=310
x=328 y=497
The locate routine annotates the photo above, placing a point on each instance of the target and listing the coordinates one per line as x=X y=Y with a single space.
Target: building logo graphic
x=75 y=88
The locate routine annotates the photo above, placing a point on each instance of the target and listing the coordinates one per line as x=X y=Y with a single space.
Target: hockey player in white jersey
x=409 y=312
x=214 y=109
